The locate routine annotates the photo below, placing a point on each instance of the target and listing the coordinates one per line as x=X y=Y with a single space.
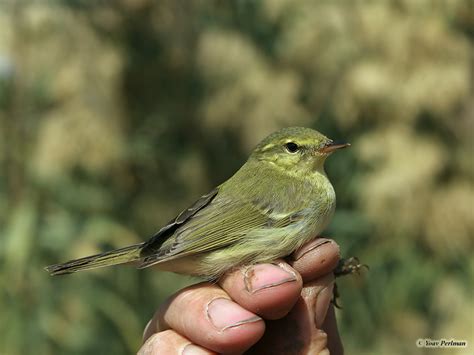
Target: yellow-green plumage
x=278 y=200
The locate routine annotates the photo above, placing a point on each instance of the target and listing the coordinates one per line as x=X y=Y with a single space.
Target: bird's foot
x=347 y=266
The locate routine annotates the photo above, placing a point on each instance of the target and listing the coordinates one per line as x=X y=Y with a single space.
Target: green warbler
x=279 y=199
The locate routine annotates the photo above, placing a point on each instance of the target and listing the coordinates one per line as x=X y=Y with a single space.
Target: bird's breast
x=323 y=204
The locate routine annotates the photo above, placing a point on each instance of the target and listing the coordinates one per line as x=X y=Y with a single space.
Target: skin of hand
x=279 y=308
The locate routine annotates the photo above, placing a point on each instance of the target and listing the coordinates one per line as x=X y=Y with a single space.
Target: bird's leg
x=346 y=267
x=349 y=266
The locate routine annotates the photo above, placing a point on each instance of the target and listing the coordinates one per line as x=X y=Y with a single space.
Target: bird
x=280 y=199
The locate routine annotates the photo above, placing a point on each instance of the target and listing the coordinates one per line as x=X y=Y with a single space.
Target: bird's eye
x=292 y=147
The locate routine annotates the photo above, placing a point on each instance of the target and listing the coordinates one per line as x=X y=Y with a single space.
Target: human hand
x=280 y=308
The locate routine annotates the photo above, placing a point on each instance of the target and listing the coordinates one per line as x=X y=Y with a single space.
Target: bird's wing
x=213 y=222
x=154 y=244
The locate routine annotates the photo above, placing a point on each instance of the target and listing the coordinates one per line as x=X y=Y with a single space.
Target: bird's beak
x=332 y=146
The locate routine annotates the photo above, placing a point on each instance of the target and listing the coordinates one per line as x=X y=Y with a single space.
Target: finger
x=170 y=342
x=316 y=258
x=150 y=329
x=317 y=295
x=330 y=327
x=269 y=290
x=300 y=332
x=207 y=316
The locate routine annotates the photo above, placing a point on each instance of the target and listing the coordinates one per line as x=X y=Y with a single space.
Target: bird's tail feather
x=114 y=257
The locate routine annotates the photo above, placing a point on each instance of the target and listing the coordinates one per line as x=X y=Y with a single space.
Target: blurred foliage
x=115 y=115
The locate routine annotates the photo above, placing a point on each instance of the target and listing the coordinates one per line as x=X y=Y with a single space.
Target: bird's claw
x=335 y=297
x=347 y=266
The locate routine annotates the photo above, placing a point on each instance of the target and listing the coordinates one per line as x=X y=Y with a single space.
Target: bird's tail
x=114 y=257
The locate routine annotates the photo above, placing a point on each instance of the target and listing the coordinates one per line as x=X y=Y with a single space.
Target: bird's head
x=296 y=150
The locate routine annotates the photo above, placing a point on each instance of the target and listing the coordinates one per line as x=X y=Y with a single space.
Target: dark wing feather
x=154 y=244
x=222 y=222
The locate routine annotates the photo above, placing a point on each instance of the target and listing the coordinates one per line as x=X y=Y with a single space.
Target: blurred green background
x=116 y=115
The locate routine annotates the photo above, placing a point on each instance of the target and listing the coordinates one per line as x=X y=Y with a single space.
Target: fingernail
x=145 y=331
x=225 y=314
x=315 y=244
x=148 y=347
x=321 y=308
x=192 y=349
x=263 y=276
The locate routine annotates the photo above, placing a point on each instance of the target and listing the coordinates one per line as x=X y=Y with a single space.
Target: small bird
x=277 y=201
